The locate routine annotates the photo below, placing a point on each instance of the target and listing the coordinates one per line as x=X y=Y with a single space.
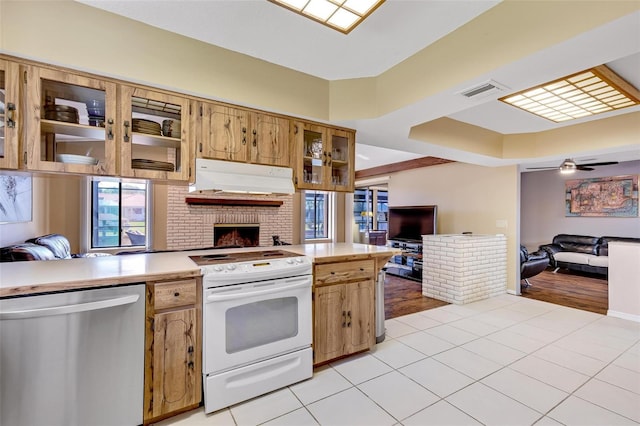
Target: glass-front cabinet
x=155 y=131
x=324 y=157
x=341 y=154
x=9 y=120
x=70 y=123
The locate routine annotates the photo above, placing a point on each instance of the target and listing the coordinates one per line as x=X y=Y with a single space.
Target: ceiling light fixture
x=586 y=93
x=568 y=166
x=341 y=15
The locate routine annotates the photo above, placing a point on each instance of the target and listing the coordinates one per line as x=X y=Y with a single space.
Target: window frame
x=329 y=219
x=87 y=233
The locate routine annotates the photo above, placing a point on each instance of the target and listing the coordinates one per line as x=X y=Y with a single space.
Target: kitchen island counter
x=33 y=277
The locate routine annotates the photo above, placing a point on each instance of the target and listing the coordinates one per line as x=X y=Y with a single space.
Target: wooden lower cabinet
x=173 y=379
x=344 y=312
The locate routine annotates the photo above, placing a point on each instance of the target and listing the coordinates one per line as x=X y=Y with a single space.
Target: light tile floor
x=501 y=361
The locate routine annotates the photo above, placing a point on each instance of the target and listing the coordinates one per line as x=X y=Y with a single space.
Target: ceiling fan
x=570 y=166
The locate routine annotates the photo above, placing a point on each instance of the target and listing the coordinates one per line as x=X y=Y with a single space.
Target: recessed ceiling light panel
x=579 y=95
x=341 y=15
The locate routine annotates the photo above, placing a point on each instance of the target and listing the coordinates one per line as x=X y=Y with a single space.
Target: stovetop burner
x=219 y=258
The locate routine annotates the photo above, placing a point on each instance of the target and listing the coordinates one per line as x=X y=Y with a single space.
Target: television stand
x=403 y=273
x=408 y=264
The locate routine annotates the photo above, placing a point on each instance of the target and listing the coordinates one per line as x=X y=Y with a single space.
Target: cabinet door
x=269 y=140
x=360 y=317
x=224 y=133
x=311 y=156
x=174 y=362
x=69 y=123
x=329 y=323
x=9 y=114
x=156 y=140
x=341 y=160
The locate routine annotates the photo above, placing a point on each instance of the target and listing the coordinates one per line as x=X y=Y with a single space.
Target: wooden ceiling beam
x=402 y=165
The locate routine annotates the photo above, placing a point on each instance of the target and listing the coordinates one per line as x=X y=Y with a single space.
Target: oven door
x=247 y=323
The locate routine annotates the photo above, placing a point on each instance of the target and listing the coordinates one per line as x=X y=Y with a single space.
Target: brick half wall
x=462 y=269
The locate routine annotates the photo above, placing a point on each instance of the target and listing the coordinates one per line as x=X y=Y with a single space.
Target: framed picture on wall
x=615 y=196
x=15 y=199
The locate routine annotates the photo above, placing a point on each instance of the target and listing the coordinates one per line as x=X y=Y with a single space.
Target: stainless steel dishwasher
x=73 y=358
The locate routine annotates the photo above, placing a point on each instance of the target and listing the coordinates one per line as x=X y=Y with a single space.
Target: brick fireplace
x=192 y=226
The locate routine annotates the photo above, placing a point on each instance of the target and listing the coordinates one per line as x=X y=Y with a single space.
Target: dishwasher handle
x=69 y=309
x=241 y=295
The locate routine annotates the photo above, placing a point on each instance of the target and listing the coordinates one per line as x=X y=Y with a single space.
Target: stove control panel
x=255 y=270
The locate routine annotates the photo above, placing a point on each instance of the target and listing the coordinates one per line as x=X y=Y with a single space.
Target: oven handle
x=220 y=297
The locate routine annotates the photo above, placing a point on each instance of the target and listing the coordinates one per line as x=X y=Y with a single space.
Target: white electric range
x=256 y=324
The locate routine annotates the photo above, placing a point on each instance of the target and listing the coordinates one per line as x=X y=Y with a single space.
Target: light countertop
x=21 y=278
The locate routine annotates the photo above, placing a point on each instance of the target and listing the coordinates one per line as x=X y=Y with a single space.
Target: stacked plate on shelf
x=140 y=125
x=65 y=113
x=141 y=163
x=171 y=128
x=76 y=159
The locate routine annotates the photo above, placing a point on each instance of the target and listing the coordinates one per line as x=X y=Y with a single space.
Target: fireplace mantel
x=232 y=202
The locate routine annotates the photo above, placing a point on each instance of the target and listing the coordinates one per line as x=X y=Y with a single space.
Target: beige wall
x=624 y=280
x=55 y=209
x=469 y=198
x=58 y=208
x=72 y=34
x=131 y=50
x=620 y=131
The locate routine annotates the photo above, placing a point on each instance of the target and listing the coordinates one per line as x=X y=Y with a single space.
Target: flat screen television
x=411 y=222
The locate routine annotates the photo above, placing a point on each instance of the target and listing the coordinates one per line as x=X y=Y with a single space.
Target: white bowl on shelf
x=76 y=159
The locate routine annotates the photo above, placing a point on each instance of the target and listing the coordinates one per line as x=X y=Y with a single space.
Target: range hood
x=229 y=176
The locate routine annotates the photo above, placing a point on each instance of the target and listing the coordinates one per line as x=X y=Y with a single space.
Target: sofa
x=581 y=252
x=45 y=247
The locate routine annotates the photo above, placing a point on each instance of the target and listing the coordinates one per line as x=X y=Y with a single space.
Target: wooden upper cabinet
x=224 y=133
x=236 y=134
x=70 y=123
x=269 y=140
x=10 y=124
x=341 y=160
x=155 y=132
x=324 y=157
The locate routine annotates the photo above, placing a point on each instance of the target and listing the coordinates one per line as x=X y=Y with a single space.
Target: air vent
x=483 y=90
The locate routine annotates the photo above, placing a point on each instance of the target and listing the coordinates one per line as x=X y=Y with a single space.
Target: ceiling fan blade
x=585 y=168
x=604 y=163
x=541 y=168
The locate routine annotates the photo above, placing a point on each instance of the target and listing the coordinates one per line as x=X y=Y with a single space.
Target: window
x=318 y=215
x=119 y=214
x=370 y=209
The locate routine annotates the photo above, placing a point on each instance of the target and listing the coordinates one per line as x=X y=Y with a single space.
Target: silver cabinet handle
x=69 y=309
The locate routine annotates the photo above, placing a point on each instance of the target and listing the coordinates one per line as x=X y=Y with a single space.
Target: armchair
x=532 y=264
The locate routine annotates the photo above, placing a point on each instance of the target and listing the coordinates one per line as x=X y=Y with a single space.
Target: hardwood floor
x=584 y=291
x=403 y=297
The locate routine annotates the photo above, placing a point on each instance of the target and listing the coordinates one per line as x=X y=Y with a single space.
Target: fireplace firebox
x=236 y=235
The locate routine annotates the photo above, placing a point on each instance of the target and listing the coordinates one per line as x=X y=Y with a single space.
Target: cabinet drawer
x=174 y=293
x=331 y=273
